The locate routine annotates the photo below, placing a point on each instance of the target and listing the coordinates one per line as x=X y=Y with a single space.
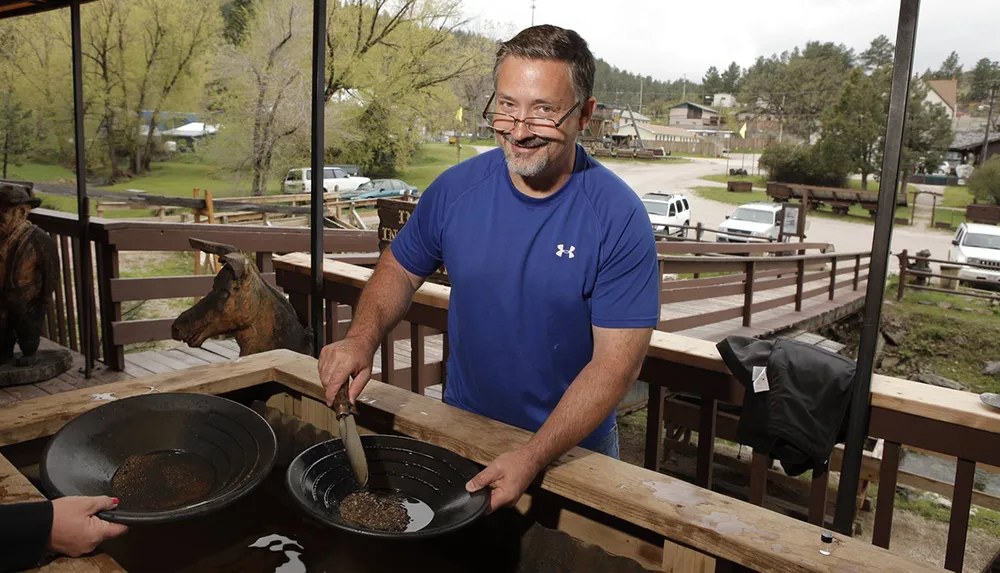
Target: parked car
x=377 y=188
x=668 y=212
x=980 y=245
x=334 y=179
x=751 y=223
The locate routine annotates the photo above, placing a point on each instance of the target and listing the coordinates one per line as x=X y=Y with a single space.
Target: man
x=67 y=526
x=552 y=263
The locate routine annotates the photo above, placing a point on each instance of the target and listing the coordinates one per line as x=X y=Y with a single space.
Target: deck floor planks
x=210 y=357
x=221 y=350
x=764 y=322
x=185 y=358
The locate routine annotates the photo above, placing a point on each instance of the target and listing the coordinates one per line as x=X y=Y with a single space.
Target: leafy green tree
x=856 y=122
x=712 y=82
x=879 y=55
x=731 y=78
x=985 y=181
x=15 y=129
x=926 y=137
x=985 y=74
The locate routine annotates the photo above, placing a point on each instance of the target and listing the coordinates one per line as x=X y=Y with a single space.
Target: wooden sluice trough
x=587 y=512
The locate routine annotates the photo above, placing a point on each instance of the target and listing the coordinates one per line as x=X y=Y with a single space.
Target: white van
x=334 y=179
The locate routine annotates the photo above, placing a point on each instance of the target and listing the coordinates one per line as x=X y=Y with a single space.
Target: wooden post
x=699 y=232
x=706 y=441
x=680 y=559
x=958 y=525
x=654 y=428
x=933 y=210
x=748 y=297
x=817 y=495
x=903 y=260
x=111 y=312
x=857 y=271
x=416 y=356
x=210 y=209
x=197 y=219
x=799 y=282
x=758 y=477
x=888 y=466
x=833 y=275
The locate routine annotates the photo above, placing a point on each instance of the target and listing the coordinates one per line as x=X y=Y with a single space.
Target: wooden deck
x=149 y=362
x=816 y=312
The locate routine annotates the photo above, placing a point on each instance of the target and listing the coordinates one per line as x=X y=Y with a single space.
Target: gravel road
x=846 y=236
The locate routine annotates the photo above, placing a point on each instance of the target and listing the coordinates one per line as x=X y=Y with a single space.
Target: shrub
x=985 y=181
x=821 y=164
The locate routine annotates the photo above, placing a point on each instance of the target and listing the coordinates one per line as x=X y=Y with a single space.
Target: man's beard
x=526 y=166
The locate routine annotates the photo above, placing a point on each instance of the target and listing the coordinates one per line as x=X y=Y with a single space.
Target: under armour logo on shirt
x=562 y=251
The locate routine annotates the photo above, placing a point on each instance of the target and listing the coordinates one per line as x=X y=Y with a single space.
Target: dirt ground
x=912 y=534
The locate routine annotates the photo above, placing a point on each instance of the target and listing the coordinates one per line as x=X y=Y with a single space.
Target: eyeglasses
x=505 y=123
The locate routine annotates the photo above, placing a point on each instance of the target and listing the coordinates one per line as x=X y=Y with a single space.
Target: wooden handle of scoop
x=341 y=403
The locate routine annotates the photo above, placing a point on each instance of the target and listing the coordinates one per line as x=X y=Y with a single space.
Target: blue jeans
x=609 y=445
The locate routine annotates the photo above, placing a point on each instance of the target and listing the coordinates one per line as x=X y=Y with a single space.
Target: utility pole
x=532 y=12
x=781 y=119
x=989 y=120
x=684 y=86
x=640 y=95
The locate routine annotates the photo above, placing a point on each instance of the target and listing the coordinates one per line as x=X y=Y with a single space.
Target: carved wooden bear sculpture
x=29 y=273
x=242 y=304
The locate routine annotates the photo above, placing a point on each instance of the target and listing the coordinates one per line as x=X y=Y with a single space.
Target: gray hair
x=547 y=42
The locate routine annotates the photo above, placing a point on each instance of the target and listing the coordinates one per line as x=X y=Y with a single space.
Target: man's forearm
x=383 y=301
x=596 y=391
x=587 y=401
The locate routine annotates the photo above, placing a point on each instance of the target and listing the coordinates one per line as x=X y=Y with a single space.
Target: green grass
x=856 y=184
x=856 y=213
x=985 y=519
x=40 y=173
x=430 y=160
x=956 y=197
x=721 y=195
x=949 y=342
x=759 y=181
x=180 y=178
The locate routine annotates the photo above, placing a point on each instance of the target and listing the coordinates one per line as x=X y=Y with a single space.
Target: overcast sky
x=667 y=38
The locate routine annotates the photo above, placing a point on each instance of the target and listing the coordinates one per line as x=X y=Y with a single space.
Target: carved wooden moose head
x=243 y=304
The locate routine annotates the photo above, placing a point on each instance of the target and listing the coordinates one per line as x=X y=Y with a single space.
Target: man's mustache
x=530 y=143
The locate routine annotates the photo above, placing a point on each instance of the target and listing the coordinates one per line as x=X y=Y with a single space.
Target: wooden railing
x=110 y=237
x=953 y=423
x=951 y=283
x=751 y=275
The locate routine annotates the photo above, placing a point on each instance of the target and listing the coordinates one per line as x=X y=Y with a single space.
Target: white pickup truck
x=334 y=179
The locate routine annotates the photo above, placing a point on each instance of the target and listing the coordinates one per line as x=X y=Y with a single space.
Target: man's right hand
x=340 y=360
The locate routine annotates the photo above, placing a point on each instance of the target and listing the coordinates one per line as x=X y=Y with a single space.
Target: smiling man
x=552 y=263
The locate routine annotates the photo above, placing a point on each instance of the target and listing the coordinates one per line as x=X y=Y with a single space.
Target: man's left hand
x=508 y=476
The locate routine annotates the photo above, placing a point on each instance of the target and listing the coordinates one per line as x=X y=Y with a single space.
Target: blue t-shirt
x=529 y=277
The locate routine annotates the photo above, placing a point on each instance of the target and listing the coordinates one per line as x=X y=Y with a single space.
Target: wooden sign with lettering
x=392 y=215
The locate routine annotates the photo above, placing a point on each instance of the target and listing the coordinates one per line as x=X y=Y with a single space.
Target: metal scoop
x=349 y=434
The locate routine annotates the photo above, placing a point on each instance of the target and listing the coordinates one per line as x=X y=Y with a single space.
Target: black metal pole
x=316 y=214
x=860 y=411
x=85 y=290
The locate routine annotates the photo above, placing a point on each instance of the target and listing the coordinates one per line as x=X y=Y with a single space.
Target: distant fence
x=109 y=237
x=950 y=278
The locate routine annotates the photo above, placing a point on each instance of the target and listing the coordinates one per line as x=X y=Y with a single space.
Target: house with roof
x=967 y=147
x=650 y=132
x=689 y=114
x=944 y=93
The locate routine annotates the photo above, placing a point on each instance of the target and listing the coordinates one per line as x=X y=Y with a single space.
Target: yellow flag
x=458 y=116
x=743 y=130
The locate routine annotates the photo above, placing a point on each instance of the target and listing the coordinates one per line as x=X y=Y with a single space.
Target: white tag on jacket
x=760 y=379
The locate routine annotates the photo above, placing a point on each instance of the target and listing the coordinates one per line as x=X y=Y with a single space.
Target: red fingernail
x=114 y=500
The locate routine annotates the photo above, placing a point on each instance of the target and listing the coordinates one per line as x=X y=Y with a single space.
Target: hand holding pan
x=349 y=434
